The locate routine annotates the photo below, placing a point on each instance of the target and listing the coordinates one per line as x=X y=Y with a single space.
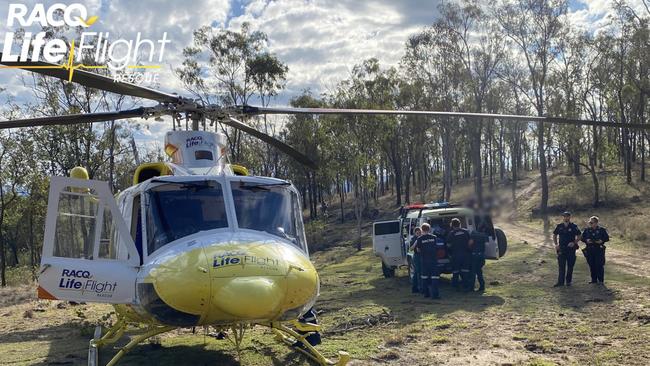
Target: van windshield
x=270 y=207
x=178 y=209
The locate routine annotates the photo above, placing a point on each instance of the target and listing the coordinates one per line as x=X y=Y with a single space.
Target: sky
x=319 y=40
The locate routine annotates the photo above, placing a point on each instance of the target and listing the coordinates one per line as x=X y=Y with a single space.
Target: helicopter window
x=178 y=209
x=75 y=225
x=272 y=208
x=203 y=155
x=136 y=226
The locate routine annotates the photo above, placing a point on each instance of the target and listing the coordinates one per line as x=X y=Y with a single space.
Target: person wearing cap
x=568 y=235
x=595 y=237
x=415 y=283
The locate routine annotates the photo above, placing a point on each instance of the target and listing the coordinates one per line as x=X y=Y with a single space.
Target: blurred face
x=418 y=232
x=567 y=218
x=593 y=223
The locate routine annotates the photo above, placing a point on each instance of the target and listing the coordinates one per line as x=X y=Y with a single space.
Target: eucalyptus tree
x=475 y=45
x=231 y=68
x=535 y=28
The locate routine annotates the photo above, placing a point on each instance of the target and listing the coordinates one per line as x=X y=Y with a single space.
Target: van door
x=484 y=223
x=387 y=242
x=88 y=253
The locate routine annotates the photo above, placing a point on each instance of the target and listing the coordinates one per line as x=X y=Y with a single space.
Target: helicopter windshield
x=179 y=209
x=269 y=207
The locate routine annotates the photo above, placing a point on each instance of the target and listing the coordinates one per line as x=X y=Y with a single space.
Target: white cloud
x=320 y=40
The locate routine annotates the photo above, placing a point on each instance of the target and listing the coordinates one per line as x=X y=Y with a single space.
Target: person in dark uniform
x=458 y=241
x=426 y=246
x=595 y=237
x=568 y=234
x=477 y=243
x=415 y=285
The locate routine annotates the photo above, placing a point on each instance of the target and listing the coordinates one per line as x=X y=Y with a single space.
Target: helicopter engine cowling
x=229 y=277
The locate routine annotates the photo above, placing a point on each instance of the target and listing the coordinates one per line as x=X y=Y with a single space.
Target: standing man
x=426 y=246
x=569 y=234
x=458 y=240
x=415 y=285
x=595 y=237
x=478 y=240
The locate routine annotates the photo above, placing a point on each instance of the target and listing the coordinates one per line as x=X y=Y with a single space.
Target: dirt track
x=637 y=264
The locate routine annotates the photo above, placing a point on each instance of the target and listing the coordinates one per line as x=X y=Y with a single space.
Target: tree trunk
x=543 y=206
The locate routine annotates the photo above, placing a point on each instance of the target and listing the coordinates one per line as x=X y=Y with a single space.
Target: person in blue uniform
x=415 y=285
x=458 y=241
x=477 y=244
x=595 y=237
x=566 y=236
x=426 y=246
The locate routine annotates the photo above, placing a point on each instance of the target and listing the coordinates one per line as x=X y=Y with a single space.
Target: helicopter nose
x=256 y=297
x=260 y=282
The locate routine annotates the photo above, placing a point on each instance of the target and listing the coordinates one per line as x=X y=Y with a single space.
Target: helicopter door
x=88 y=253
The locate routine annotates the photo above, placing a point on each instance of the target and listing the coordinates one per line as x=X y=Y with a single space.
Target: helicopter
x=196 y=241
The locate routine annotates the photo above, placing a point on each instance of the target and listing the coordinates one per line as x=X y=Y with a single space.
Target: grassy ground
x=519 y=320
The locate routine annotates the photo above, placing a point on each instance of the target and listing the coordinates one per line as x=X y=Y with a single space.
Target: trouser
x=565 y=260
x=310 y=317
x=461 y=270
x=478 y=261
x=595 y=256
x=430 y=276
x=415 y=282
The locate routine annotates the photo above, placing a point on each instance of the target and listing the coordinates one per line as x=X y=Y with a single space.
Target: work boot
x=558 y=285
x=481 y=289
x=425 y=292
x=434 y=294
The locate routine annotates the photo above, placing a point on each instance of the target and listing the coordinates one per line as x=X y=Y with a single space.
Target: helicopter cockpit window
x=270 y=207
x=178 y=209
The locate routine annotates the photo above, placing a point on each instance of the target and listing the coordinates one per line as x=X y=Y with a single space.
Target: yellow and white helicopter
x=195 y=241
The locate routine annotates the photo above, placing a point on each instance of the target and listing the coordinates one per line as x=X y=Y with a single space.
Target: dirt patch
x=637 y=264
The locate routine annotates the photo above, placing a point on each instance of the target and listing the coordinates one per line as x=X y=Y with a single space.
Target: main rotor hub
x=197 y=151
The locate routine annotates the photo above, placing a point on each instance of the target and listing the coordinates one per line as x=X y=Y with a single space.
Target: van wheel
x=502 y=242
x=388 y=272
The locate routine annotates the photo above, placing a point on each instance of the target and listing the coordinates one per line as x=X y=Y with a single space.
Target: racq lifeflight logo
x=121 y=56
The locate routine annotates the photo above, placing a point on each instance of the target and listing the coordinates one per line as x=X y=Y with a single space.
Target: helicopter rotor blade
x=91 y=80
x=72 y=119
x=252 y=110
x=300 y=157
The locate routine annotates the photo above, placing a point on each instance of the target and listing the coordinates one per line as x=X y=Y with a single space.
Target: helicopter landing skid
x=291 y=337
x=114 y=334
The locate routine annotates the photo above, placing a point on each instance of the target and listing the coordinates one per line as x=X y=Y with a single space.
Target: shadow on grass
x=67 y=344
